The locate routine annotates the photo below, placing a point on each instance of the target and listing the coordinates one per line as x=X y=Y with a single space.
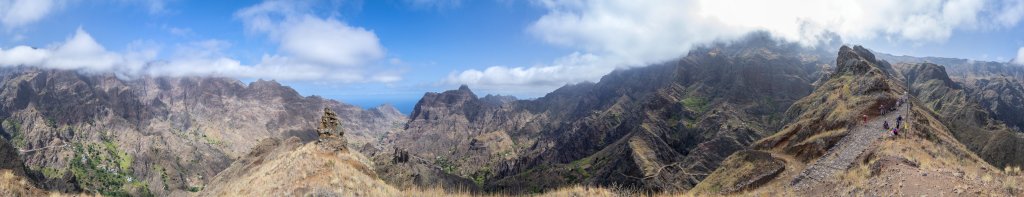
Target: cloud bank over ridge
x=622 y=33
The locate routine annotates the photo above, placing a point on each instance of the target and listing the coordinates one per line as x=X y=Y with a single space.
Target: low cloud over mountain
x=622 y=33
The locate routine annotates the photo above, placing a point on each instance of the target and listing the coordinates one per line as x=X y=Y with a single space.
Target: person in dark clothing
x=885 y=125
x=899 y=120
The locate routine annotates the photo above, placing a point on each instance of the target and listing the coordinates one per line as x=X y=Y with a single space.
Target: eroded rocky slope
x=831 y=149
x=961 y=108
x=998 y=88
x=663 y=127
x=157 y=135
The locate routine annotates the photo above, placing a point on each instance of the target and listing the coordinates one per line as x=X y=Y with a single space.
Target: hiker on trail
x=865 y=117
x=895 y=131
x=881 y=109
x=899 y=119
x=885 y=125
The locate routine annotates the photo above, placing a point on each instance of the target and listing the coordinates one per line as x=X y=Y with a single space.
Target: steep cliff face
x=1003 y=97
x=860 y=87
x=830 y=148
x=981 y=102
x=997 y=87
x=170 y=134
x=661 y=127
x=962 y=110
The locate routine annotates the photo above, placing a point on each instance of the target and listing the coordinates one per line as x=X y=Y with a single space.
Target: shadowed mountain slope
x=961 y=109
x=661 y=127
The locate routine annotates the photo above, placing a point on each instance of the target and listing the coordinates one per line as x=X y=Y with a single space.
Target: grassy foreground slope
x=292 y=168
x=924 y=160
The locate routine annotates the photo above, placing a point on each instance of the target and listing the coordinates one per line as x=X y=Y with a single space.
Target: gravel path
x=42 y=148
x=845 y=152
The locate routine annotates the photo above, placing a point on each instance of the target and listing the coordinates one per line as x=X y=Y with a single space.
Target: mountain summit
x=832 y=148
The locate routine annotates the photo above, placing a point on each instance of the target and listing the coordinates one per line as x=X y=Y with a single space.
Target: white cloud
x=310 y=39
x=312 y=48
x=329 y=42
x=1011 y=13
x=535 y=80
x=16 y=13
x=573 y=68
x=79 y=51
x=1020 y=56
x=625 y=33
x=200 y=58
x=22 y=55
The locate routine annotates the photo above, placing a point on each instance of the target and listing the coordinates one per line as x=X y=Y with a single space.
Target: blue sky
x=392 y=51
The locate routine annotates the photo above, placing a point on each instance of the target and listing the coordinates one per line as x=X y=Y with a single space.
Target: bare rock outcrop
x=331 y=136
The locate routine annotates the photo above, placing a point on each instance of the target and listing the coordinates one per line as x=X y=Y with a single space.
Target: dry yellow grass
x=293 y=169
x=14 y=185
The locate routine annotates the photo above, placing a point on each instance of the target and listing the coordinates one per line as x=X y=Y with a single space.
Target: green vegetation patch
x=123 y=159
x=14 y=128
x=103 y=168
x=480 y=176
x=52 y=123
x=696 y=104
x=51 y=173
x=447 y=165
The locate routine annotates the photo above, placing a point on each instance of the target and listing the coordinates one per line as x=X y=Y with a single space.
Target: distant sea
x=404 y=105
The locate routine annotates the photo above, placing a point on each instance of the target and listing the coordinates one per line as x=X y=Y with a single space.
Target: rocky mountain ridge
x=169 y=135
x=961 y=107
x=835 y=150
x=661 y=127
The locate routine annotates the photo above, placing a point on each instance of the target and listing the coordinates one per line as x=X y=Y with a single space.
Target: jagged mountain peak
x=261 y=82
x=655 y=121
x=838 y=130
x=859 y=60
x=388 y=110
x=463 y=92
x=858 y=88
x=922 y=72
x=856 y=60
